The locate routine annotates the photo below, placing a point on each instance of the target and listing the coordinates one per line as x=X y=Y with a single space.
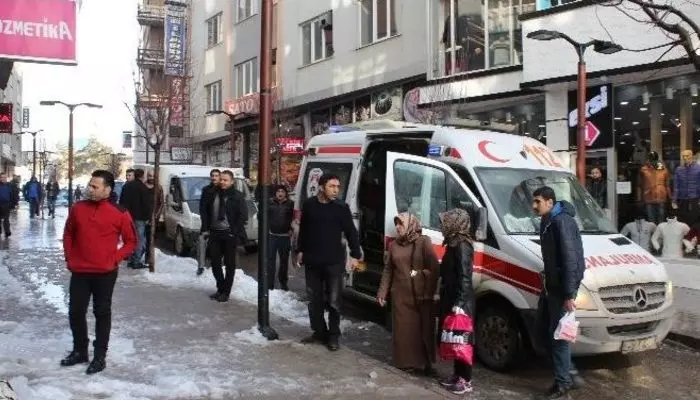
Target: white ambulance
x=625 y=301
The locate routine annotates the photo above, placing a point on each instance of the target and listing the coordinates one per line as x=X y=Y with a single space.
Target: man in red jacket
x=92 y=252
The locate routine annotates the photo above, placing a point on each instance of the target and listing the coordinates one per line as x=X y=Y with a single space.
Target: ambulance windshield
x=510 y=191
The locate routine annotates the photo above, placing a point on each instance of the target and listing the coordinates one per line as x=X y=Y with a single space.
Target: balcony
x=151 y=15
x=150 y=58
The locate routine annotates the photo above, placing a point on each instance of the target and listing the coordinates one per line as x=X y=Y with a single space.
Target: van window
x=421 y=190
x=314 y=171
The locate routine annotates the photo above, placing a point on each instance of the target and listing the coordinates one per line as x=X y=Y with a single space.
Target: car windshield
x=192 y=189
x=510 y=191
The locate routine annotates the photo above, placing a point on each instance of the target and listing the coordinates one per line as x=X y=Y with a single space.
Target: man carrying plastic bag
x=564 y=265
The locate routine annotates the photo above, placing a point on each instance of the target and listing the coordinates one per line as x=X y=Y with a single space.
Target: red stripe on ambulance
x=339 y=150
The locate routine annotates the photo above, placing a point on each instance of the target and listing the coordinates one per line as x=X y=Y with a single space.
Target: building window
x=214 y=30
x=246 y=77
x=317 y=38
x=213 y=96
x=377 y=20
x=245 y=9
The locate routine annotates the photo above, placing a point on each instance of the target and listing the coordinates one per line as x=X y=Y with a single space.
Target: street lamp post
x=71 y=108
x=599 y=46
x=231 y=121
x=34 y=133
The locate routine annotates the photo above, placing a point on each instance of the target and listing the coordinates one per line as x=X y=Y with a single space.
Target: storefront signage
x=249 y=104
x=176 y=102
x=38 y=31
x=599 y=101
x=25 y=117
x=175 y=40
x=5 y=117
x=290 y=145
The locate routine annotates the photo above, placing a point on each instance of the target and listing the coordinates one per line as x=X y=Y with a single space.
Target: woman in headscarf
x=410 y=275
x=456 y=292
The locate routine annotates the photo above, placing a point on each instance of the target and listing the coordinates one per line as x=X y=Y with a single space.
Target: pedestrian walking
x=135 y=199
x=154 y=190
x=410 y=275
x=564 y=265
x=52 y=190
x=5 y=205
x=223 y=223
x=32 y=193
x=15 y=192
x=456 y=291
x=324 y=220
x=91 y=248
x=78 y=194
x=206 y=197
x=281 y=214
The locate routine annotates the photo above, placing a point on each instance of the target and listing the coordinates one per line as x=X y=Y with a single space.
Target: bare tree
x=677 y=26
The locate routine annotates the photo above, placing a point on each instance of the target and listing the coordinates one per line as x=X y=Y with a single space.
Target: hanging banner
x=25 y=117
x=175 y=39
x=176 y=102
x=38 y=31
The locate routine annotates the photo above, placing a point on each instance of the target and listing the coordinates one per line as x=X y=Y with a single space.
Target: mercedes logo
x=640 y=298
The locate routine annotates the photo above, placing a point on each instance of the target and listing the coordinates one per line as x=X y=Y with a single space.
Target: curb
x=687 y=340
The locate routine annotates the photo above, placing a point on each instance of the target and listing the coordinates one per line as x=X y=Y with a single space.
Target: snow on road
x=154 y=356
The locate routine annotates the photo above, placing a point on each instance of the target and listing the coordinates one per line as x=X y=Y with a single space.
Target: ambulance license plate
x=636 y=346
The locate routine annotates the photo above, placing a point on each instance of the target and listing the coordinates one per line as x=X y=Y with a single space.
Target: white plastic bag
x=567 y=328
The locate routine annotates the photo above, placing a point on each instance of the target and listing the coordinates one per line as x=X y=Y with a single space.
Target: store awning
x=5 y=72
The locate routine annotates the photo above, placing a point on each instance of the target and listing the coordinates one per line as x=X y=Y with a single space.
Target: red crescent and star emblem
x=482 y=148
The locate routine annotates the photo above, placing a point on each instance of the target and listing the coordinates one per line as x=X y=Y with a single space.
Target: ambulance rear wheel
x=498 y=337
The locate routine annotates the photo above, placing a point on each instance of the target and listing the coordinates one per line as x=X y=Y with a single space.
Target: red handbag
x=456 y=338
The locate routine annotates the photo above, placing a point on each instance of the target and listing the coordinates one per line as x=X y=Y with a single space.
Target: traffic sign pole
x=581 y=128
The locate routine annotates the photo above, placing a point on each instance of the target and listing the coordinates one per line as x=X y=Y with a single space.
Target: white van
x=182 y=186
x=625 y=301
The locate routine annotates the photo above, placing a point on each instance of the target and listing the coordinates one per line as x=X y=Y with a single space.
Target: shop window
x=377 y=20
x=213 y=92
x=215 y=31
x=246 y=77
x=246 y=9
x=317 y=38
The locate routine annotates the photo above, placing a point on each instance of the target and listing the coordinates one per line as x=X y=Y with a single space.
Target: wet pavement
x=169 y=341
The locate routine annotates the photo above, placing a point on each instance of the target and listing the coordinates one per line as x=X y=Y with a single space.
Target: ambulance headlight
x=669 y=291
x=584 y=300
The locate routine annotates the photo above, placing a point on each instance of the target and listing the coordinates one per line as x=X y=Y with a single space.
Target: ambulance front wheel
x=499 y=337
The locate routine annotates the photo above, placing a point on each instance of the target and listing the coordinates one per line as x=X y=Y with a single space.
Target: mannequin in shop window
x=669 y=236
x=639 y=230
x=598 y=188
x=686 y=188
x=654 y=188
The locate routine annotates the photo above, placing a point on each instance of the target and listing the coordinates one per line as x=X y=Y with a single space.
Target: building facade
x=11 y=152
x=163 y=100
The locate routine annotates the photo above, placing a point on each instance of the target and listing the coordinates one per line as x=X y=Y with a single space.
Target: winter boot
x=333 y=344
x=98 y=364
x=74 y=358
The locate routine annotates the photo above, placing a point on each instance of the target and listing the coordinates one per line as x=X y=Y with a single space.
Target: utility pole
x=263 y=169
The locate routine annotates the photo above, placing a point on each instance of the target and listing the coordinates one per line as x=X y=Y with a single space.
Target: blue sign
x=175 y=40
x=434 y=150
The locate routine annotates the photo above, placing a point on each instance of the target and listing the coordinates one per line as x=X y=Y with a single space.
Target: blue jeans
x=279 y=245
x=141 y=243
x=551 y=309
x=656 y=213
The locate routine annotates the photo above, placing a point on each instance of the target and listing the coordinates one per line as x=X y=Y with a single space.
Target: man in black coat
x=223 y=222
x=564 y=265
x=135 y=198
x=281 y=213
x=209 y=190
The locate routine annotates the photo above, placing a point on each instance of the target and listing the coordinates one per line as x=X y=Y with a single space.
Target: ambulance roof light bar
x=376 y=124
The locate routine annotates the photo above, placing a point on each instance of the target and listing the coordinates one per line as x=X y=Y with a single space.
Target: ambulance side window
x=314 y=171
x=421 y=190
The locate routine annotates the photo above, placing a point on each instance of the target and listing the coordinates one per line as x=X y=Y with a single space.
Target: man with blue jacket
x=32 y=193
x=564 y=265
x=5 y=204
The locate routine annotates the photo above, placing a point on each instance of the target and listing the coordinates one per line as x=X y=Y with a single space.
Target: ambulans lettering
x=542 y=155
x=618 y=259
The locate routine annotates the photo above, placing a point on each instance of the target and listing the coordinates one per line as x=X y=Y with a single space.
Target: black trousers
x=33 y=208
x=222 y=245
x=51 y=204
x=5 y=217
x=279 y=245
x=463 y=370
x=688 y=211
x=324 y=288
x=100 y=287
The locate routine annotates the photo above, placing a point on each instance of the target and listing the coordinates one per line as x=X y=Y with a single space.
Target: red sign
x=592 y=133
x=176 y=102
x=290 y=145
x=249 y=104
x=38 y=30
x=5 y=117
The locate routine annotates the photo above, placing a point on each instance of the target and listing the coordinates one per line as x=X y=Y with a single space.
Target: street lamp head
x=48 y=103
x=544 y=34
x=91 y=105
x=606 y=47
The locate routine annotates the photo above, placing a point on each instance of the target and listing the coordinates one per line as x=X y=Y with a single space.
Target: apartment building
x=11 y=152
x=163 y=92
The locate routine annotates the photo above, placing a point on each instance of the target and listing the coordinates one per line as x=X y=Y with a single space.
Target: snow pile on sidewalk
x=180 y=272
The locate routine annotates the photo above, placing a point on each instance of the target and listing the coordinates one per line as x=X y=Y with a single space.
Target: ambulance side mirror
x=481 y=223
